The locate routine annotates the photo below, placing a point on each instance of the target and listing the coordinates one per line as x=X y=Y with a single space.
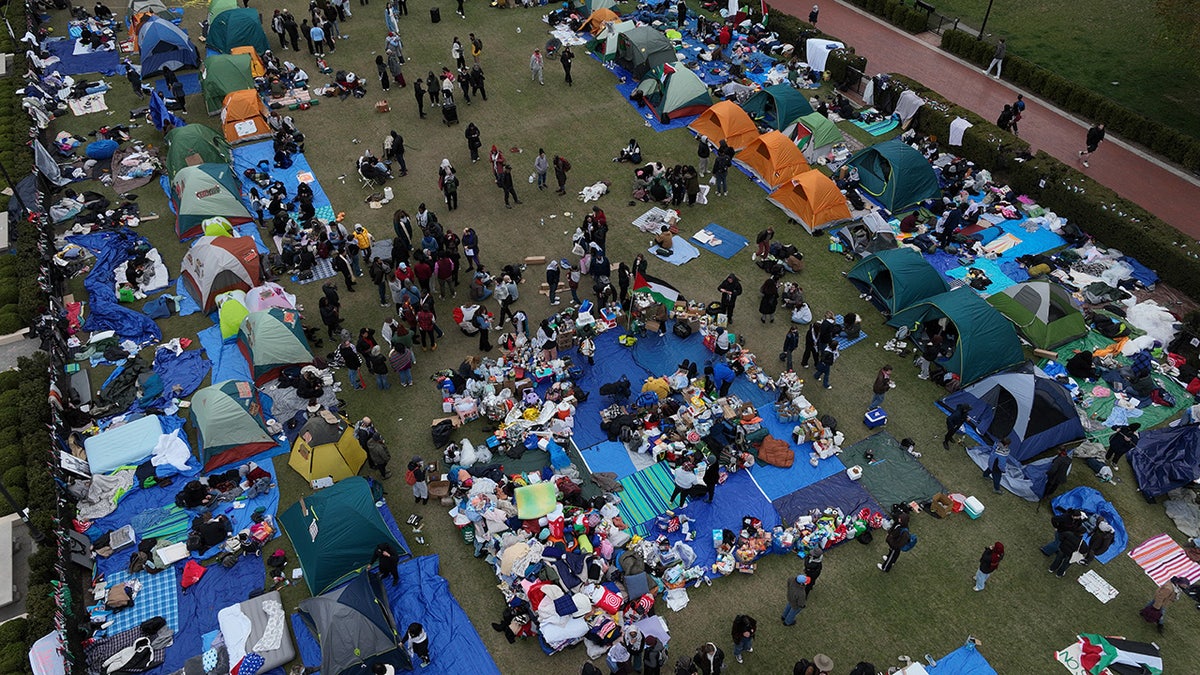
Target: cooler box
x=973 y=507
x=435 y=14
x=875 y=418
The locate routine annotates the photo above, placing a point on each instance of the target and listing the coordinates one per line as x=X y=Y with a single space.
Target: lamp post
x=985 y=18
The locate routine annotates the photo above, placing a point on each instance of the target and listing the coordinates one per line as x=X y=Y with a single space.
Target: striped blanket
x=646 y=495
x=1161 y=559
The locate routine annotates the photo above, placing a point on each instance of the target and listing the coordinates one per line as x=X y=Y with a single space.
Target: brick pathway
x=1146 y=182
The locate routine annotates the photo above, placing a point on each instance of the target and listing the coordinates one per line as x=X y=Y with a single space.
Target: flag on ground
x=661 y=291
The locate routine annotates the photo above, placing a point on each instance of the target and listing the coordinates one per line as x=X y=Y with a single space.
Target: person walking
x=1155 y=611
x=506 y=292
x=813 y=14
x=1094 y=136
x=957 y=418
x=536 y=67
x=898 y=539
x=828 y=355
x=460 y=10
x=810 y=346
x=506 y=184
x=1018 y=108
x=730 y=289
x=790 y=342
x=797 y=598
x=416 y=477
x=427 y=325
x=996 y=462
x=883 y=383
x=743 y=630
x=450 y=187
x=541 y=165
x=709 y=659
x=476 y=50
x=1124 y=439
x=989 y=562
x=419 y=93
x=134 y=77
x=566 y=57
x=997 y=59
x=553 y=277
x=473 y=142
x=389 y=562
x=561 y=167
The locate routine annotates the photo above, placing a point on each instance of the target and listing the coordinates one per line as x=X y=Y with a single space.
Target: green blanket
x=894 y=477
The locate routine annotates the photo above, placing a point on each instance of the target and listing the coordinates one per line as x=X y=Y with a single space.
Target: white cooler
x=973 y=507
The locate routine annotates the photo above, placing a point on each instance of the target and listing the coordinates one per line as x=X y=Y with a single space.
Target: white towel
x=957 y=128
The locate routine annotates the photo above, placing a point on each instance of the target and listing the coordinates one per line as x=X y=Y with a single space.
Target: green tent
x=644 y=48
x=335 y=532
x=204 y=191
x=228 y=418
x=778 y=106
x=215 y=7
x=1042 y=312
x=224 y=74
x=237 y=28
x=895 y=175
x=986 y=341
x=590 y=6
x=195 y=139
x=815 y=133
x=272 y=340
x=897 y=278
x=673 y=90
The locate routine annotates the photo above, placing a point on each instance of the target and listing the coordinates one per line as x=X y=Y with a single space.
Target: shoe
x=1161 y=627
x=434 y=348
x=996 y=490
x=977 y=589
x=945 y=445
x=828 y=387
x=383 y=304
x=880 y=566
x=508 y=206
x=751 y=649
x=1085 y=164
x=738 y=658
x=1081 y=153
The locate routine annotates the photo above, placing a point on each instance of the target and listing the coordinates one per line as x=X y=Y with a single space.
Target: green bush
x=842 y=60
x=10 y=323
x=983 y=142
x=1119 y=120
x=896 y=13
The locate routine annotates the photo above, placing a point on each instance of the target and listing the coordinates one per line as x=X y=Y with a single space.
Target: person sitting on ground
x=631 y=153
x=665 y=240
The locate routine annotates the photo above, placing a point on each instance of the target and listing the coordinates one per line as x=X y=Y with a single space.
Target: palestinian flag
x=1097 y=655
x=662 y=292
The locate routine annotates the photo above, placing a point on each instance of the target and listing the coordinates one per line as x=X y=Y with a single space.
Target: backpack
x=410 y=478
x=912 y=542
x=828 y=357
x=566 y=164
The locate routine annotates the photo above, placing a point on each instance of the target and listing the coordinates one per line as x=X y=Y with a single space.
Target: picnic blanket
x=651 y=221
x=91 y=103
x=1161 y=558
x=322 y=270
x=158 y=597
x=878 y=128
x=682 y=253
x=721 y=241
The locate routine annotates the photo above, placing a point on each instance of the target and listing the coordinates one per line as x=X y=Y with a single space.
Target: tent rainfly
x=815 y=134
x=195 y=144
x=897 y=278
x=269 y=295
x=644 y=48
x=257 y=69
x=204 y=191
x=244 y=117
x=778 y=105
x=236 y=28
x=164 y=46
x=214 y=265
x=326 y=449
x=895 y=174
x=725 y=121
x=355 y=627
x=1042 y=312
x=272 y=340
x=223 y=74
x=228 y=417
x=773 y=159
x=812 y=199
x=674 y=91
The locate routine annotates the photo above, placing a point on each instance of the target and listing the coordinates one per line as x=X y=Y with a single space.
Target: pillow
x=637 y=585
x=606 y=600
x=535 y=501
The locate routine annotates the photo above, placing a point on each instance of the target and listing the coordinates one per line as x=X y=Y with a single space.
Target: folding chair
x=367 y=183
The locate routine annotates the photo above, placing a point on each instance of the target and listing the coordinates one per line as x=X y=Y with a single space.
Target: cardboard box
x=535 y=260
x=453 y=419
x=941 y=506
x=653 y=325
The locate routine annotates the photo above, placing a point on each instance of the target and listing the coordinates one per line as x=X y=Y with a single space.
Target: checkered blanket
x=322 y=270
x=158 y=597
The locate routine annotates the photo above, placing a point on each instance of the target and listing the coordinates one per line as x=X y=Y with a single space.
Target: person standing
x=341 y=263
x=306 y=31
x=352 y=361
x=1124 y=439
x=996 y=462
x=450 y=187
x=389 y=562
x=898 y=539
x=457 y=53
x=566 y=57
x=419 y=93
x=401 y=360
x=989 y=562
x=460 y=11
x=378 y=363
x=291 y=29
x=427 y=325
x=561 y=167
x=685 y=480
x=811 y=350
x=954 y=422
x=769 y=301
x=997 y=59
x=507 y=294
x=743 y=630
x=797 y=598
x=1056 y=476
x=1018 y=108
x=277 y=29
x=763 y=240
x=478 y=85
x=506 y=184
x=1155 y=611
x=712 y=476
x=813 y=14
x=418 y=642
x=883 y=382
x=317 y=34
x=709 y=659
x=1094 y=136
x=720 y=171
x=829 y=354
x=553 y=277
x=703 y=152
x=420 y=486
x=476 y=51
x=812 y=569
x=790 y=342
x=730 y=289
x=134 y=77
x=473 y=142
x=654 y=656
x=541 y=166
x=1072 y=519
x=536 y=67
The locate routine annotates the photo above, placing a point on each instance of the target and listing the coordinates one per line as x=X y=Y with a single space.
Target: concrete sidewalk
x=1161 y=189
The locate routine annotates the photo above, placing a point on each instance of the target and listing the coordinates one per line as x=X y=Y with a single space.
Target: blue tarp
x=190 y=82
x=160 y=117
x=731 y=242
x=737 y=497
x=836 y=490
x=777 y=482
x=228 y=363
x=1143 y=274
x=106 y=63
x=183 y=300
x=249 y=155
x=625 y=88
x=608 y=456
x=250 y=229
x=112 y=248
x=185 y=371
x=198 y=607
x=966 y=660
x=1166 y=459
x=1091 y=501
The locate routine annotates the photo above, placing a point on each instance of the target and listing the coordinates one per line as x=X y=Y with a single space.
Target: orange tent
x=257 y=69
x=595 y=22
x=811 y=199
x=725 y=121
x=244 y=117
x=773 y=158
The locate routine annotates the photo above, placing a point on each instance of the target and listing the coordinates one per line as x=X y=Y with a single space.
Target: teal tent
x=642 y=49
x=986 y=341
x=335 y=531
x=897 y=278
x=272 y=340
x=672 y=91
x=216 y=7
x=237 y=28
x=778 y=106
x=592 y=5
x=228 y=418
x=1042 y=312
x=203 y=191
x=895 y=175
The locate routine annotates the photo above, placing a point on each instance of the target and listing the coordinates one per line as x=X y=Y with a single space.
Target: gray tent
x=868 y=234
x=354 y=626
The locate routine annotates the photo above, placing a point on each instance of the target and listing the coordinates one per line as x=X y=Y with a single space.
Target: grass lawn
x=856 y=613
x=1105 y=45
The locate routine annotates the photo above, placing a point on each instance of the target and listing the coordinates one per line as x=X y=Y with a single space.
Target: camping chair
x=367 y=183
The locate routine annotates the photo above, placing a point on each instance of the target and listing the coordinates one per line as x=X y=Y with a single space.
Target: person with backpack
x=898 y=539
x=989 y=562
x=743 y=630
x=506 y=292
x=415 y=478
x=828 y=355
x=561 y=167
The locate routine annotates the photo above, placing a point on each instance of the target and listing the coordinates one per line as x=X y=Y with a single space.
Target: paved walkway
x=1157 y=187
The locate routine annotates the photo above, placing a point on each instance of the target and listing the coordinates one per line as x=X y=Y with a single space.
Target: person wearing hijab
x=989 y=562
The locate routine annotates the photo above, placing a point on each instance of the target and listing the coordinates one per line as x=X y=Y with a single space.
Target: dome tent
x=778 y=105
x=164 y=46
x=895 y=174
x=815 y=134
x=987 y=342
x=221 y=75
x=811 y=199
x=269 y=295
x=214 y=265
x=674 y=91
x=202 y=192
x=216 y=7
x=897 y=278
x=1166 y=459
x=596 y=20
x=1042 y=312
x=725 y=121
x=642 y=49
x=195 y=144
x=272 y=340
x=324 y=448
x=355 y=627
x=244 y=117
x=773 y=159
x=228 y=418
x=236 y=28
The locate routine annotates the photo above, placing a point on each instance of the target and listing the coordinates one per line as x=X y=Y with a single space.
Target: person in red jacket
x=989 y=562
x=423 y=272
x=427 y=325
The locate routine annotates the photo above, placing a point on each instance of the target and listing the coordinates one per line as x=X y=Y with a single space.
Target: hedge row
x=1102 y=213
x=797 y=33
x=1129 y=125
x=896 y=13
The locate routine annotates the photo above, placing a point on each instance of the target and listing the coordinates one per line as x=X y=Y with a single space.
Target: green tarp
x=224 y=74
x=778 y=106
x=237 y=28
x=987 y=342
x=195 y=139
x=897 y=278
x=895 y=175
x=893 y=476
x=335 y=531
x=1042 y=313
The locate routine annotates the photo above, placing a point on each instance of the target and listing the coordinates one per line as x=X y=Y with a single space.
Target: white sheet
x=173 y=450
x=818 y=52
x=957 y=128
x=235 y=628
x=907 y=105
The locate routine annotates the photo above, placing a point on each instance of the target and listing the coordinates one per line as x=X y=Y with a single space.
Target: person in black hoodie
x=352 y=361
x=730 y=289
x=954 y=422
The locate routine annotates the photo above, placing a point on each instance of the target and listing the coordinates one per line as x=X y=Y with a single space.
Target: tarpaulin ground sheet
x=836 y=490
x=248 y=156
x=731 y=242
x=894 y=477
x=112 y=248
x=185 y=370
x=682 y=253
x=70 y=63
x=965 y=660
x=422 y=596
x=1089 y=500
x=609 y=456
x=1000 y=280
x=250 y=229
x=1101 y=409
x=734 y=499
x=228 y=363
x=190 y=82
x=390 y=521
x=1003 y=270
x=777 y=482
x=198 y=606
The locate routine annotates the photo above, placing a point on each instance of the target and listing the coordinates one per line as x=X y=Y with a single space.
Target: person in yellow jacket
x=364 y=240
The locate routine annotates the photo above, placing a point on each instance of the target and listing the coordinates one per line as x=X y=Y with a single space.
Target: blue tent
x=1166 y=459
x=1089 y=500
x=1033 y=411
x=164 y=45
